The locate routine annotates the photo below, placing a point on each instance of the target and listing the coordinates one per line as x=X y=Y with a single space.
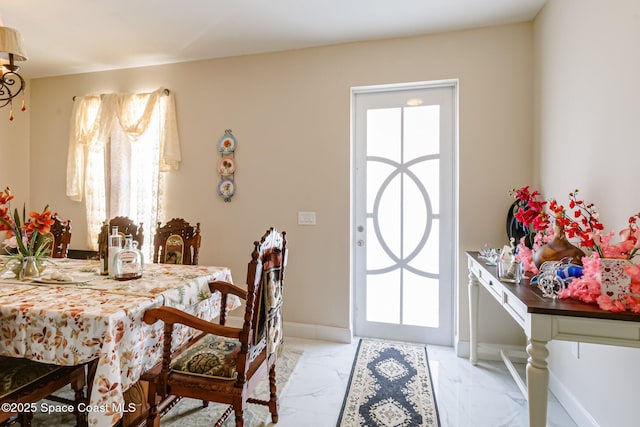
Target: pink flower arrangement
x=588 y=287
x=525 y=255
x=581 y=222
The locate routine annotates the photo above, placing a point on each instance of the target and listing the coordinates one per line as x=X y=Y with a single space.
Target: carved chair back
x=177 y=242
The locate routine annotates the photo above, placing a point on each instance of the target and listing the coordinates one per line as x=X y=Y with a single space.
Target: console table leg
x=473 y=318
x=537 y=382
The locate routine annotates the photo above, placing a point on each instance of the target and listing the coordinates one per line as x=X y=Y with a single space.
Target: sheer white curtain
x=118 y=147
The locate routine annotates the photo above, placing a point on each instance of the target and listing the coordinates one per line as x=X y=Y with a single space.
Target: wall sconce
x=11 y=83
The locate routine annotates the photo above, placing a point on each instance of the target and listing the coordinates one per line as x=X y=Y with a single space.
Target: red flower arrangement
x=22 y=234
x=583 y=223
x=530 y=212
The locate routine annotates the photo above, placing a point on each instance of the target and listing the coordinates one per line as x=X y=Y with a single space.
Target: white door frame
x=452 y=83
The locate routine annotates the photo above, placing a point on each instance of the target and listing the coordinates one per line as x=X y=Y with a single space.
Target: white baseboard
x=461 y=348
x=317 y=332
x=574 y=408
x=304 y=330
x=490 y=351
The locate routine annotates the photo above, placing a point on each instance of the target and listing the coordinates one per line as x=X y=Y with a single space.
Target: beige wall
x=587 y=127
x=290 y=113
x=15 y=150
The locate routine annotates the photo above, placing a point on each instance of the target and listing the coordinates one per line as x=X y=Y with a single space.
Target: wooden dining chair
x=58 y=238
x=24 y=381
x=126 y=226
x=225 y=364
x=177 y=242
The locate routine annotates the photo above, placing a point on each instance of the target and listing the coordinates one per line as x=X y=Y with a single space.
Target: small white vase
x=615 y=280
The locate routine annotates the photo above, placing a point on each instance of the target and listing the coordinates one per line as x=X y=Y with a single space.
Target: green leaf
x=18 y=232
x=42 y=249
x=16 y=218
x=33 y=242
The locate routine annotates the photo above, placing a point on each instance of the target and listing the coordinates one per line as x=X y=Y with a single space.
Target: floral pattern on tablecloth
x=101 y=319
x=13 y=288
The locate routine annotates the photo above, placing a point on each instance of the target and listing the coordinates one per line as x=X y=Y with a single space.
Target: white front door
x=404 y=211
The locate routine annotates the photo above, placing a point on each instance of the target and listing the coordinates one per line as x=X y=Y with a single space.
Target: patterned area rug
x=189 y=412
x=390 y=385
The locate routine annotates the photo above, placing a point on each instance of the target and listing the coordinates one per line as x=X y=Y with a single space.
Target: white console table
x=543 y=320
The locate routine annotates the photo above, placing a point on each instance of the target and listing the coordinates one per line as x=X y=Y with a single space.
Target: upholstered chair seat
x=27 y=381
x=211 y=356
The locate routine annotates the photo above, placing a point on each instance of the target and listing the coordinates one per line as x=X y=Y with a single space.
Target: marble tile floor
x=484 y=395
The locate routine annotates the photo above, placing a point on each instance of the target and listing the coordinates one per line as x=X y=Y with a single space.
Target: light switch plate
x=306 y=218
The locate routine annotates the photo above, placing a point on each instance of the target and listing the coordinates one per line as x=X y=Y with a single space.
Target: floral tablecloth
x=97 y=318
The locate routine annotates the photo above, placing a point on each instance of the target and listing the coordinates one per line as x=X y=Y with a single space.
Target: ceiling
x=77 y=36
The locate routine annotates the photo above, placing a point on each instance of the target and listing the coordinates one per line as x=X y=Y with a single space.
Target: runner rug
x=390 y=385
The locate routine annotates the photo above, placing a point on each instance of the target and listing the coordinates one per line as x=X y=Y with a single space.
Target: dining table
x=72 y=315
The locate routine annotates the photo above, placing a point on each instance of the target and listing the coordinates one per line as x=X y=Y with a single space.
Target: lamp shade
x=11 y=42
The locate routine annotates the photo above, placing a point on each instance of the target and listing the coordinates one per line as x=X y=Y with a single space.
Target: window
x=119 y=147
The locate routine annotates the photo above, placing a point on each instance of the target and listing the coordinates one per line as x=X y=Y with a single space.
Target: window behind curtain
x=133 y=184
x=119 y=147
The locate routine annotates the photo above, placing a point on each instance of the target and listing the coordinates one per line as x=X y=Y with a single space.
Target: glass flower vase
x=29 y=268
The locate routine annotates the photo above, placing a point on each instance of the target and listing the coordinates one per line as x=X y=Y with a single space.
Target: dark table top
x=532 y=297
